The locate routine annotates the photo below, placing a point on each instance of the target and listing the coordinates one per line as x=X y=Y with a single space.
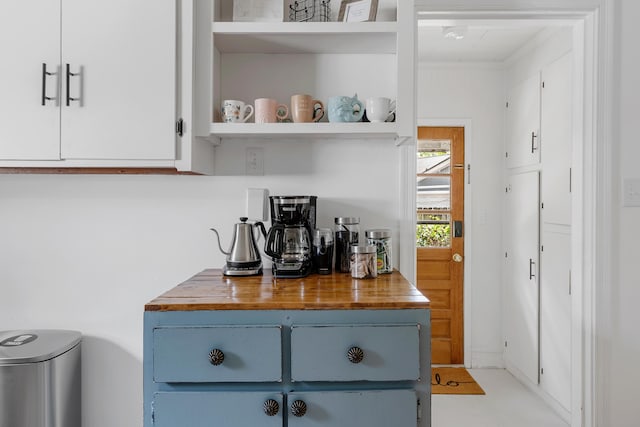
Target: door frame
x=594 y=178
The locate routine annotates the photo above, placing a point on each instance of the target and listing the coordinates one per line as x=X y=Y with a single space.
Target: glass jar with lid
x=381 y=239
x=347 y=231
x=363 y=262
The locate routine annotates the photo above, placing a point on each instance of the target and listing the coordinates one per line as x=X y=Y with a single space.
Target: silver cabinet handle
x=532 y=263
x=45 y=73
x=533 y=142
x=69 y=74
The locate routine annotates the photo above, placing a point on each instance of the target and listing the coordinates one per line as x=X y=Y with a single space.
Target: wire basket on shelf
x=310 y=11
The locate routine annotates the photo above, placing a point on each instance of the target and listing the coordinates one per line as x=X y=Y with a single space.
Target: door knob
x=457 y=258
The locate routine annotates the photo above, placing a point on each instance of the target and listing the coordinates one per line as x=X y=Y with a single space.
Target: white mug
x=380 y=109
x=236 y=111
x=269 y=111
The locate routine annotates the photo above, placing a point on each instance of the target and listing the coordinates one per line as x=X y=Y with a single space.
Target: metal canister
x=381 y=239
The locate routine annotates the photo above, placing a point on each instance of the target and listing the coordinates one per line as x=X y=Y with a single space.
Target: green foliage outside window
x=433 y=235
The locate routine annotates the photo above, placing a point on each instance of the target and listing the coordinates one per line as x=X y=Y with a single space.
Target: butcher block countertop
x=210 y=290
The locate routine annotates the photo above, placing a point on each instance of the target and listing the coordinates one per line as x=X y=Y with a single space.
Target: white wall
x=86 y=252
x=622 y=373
x=476 y=94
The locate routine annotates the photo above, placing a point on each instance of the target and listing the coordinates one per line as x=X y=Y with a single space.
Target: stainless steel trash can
x=40 y=378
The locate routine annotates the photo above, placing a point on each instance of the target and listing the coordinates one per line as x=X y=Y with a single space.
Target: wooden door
x=440 y=237
x=521 y=280
x=29 y=38
x=124 y=52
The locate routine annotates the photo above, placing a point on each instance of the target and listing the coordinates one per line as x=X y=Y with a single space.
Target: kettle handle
x=219 y=245
x=260 y=226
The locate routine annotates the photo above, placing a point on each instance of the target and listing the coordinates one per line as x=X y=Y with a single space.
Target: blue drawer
x=249 y=354
x=207 y=409
x=397 y=408
x=332 y=353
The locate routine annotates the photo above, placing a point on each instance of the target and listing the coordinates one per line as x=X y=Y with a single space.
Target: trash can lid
x=38 y=345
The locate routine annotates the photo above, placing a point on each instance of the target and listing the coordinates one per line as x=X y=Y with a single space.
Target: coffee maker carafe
x=288 y=241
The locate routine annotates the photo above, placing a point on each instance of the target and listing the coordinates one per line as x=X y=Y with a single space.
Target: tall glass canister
x=347 y=231
x=381 y=238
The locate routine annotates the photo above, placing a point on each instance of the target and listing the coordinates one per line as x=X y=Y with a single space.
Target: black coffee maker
x=288 y=241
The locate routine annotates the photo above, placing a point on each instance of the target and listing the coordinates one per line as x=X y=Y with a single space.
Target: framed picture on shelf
x=358 y=10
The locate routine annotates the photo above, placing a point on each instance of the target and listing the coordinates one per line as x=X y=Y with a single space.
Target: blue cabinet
x=294 y=368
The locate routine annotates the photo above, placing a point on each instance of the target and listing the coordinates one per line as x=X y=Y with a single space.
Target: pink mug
x=268 y=110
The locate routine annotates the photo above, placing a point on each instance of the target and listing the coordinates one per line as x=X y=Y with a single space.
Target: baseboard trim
x=486 y=359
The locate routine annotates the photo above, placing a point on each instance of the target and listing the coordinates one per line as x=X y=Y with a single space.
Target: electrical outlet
x=254 y=161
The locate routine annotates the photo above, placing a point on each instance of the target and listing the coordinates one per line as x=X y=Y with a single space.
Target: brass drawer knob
x=355 y=355
x=298 y=408
x=271 y=407
x=216 y=357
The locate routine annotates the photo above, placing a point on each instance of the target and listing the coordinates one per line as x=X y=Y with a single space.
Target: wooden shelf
x=305 y=37
x=358 y=130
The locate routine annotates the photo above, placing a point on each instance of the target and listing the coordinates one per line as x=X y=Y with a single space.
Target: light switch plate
x=631 y=192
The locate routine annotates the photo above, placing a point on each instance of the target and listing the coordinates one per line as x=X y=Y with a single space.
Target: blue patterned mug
x=345 y=109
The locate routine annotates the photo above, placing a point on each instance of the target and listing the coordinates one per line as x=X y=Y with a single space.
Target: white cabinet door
x=125 y=54
x=555 y=317
x=29 y=37
x=523 y=123
x=521 y=273
x=556 y=140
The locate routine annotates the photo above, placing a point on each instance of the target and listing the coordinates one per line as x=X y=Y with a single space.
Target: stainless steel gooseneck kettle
x=243 y=256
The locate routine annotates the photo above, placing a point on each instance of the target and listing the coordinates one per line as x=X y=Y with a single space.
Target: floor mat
x=445 y=380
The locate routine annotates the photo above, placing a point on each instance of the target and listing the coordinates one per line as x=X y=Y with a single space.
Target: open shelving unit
x=249 y=60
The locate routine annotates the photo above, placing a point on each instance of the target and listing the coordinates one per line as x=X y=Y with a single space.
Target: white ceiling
x=480 y=43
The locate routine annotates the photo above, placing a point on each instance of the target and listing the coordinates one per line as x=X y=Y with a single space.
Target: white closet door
x=125 y=54
x=556 y=140
x=523 y=123
x=555 y=317
x=521 y=274
x=29 y=37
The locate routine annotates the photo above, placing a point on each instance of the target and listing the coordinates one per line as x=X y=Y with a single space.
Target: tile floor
x=507 y=403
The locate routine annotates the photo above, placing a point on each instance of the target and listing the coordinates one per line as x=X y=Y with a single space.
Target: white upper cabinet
x=250 y=60
x=29 y=41
x=124 y=53
x=557 y=135
x=112 y=86
x=523 y=123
